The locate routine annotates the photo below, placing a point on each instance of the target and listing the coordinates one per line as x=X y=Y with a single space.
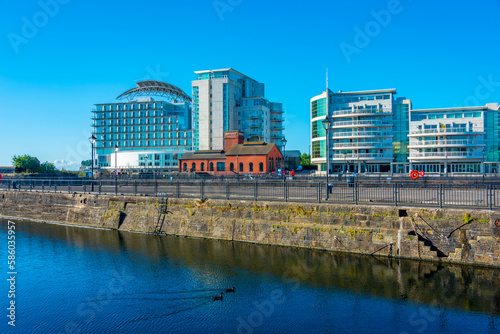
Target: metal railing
x=349 y=191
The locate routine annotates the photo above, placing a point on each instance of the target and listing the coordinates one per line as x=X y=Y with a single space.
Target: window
x=250 y=167
x=221 y=166
x=261 y=167
x=211 y=166
x=193 y=167
x=231 y=167
x=202 y=167
x=185 y=167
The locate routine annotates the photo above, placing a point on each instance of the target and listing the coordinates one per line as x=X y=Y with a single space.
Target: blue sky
x=59 y=57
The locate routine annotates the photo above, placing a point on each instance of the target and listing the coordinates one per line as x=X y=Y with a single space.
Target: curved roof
x=156 y=88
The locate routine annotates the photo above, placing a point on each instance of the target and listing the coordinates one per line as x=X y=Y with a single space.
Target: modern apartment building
x=227 y=100
x=141 y=133
x=367 y=132
x=455 y=140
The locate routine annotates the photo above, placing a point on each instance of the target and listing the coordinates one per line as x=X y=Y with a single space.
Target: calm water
x=80 y=280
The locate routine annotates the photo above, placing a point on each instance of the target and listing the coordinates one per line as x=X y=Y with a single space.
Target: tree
x=47 y=167
x=26 y=163
x=87 y=162
x=305 y=159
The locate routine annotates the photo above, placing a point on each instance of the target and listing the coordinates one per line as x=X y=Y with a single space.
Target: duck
x=230 y=290
x=218 y=297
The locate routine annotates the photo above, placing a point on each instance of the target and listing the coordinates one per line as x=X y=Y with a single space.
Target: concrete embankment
x=461 y=236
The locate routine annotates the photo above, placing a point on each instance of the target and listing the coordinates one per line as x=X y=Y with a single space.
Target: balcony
x=362 y=134
x=368 y=145
x=360 y=123
x=254 y=116
x=276 y=119
x=459 y=142
x=276 y=111
x=255 y=125
x=364 y=112
x=445 y=155
x=361 y=156
x=445 y=131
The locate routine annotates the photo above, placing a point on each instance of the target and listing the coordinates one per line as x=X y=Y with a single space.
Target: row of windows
x=347 y=99
x=135 y=121
x=143 y=130
x=129 y=114
x=145 y=143
x=415 y=117
x=129 y=106
x=158 y=135
x=221 y=167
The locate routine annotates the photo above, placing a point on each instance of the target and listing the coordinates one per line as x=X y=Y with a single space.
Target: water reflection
x=450 y=286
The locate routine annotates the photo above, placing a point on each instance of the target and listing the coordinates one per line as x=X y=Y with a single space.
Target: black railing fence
x=478 y=195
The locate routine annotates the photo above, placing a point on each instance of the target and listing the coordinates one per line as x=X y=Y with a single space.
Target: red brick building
x=238 y=157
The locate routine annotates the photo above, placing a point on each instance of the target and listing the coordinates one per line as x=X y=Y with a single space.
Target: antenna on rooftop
x=327 y=81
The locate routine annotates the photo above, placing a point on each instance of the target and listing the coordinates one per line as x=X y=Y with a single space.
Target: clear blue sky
x=57 y=61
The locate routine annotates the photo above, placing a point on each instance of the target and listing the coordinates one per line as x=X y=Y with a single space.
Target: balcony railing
x=361 y=111
x=444 y=130
x=362 y=134
x=369 y=123
x=446 y=155
x=457 y=142
x=359 y=156
x=369 y=144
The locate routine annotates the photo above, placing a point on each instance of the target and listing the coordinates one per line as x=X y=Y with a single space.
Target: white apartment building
x=367 y=131
x=455 y=140
x=227 y=100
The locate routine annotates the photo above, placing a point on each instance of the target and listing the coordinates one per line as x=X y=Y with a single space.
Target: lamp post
x=284 y=152
x=482 y=167
x=92 y=142
x=116 y=159
x=326 y=126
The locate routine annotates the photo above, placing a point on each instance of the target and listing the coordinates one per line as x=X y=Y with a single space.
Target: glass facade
x=318 y=108
x=140 y=126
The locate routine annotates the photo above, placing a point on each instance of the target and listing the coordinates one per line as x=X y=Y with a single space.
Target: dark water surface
x=81 y=280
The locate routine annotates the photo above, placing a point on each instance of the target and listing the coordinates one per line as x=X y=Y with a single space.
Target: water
x=80 y=280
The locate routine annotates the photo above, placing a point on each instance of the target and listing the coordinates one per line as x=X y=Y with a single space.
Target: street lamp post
x=326 y=126
x=92 y=142
x=116 y=161
x=116 y=169
x=284 y=152
x=483 y=167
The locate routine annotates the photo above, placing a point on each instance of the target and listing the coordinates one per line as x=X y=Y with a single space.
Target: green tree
x=26 y=163
x=47 y=167
x=305 y=159
x=87 y=162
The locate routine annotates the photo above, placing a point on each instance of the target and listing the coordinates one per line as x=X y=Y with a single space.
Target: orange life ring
x=414 y=174
x=422 y=173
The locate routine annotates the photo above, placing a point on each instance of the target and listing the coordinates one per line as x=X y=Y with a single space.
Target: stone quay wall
x=467 y=236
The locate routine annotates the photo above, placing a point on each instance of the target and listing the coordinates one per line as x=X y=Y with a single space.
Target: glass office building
x=368 y=131
x=143 y=133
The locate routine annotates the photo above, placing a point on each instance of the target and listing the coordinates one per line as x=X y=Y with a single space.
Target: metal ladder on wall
x=160 y=212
